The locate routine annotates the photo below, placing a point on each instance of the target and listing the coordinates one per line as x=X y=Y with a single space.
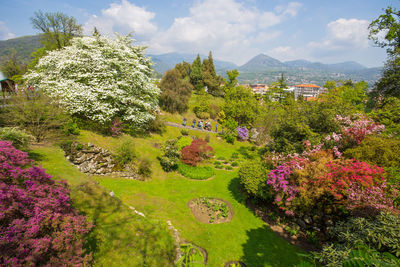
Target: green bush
x=378 y=150
x=19 y=138
x=220 y=158
x=191 y=256
x=125 y=153
x=71 y=128
x=171 y=155
x=185 y=132
x=198 y=173
x=217 y=162
x=183 y=141
x=144 y=167
x=157 y=126
x=381 y=233
x=229 y=138
x=228 y=168
x=234 y=164
x=253 y=178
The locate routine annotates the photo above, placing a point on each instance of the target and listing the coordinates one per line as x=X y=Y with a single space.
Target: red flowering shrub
x=196 y=152
x=38 y=226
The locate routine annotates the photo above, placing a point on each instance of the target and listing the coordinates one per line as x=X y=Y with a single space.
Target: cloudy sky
x=235 y=30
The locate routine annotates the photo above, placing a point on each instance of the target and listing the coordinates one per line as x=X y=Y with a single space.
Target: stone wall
x=95 y=160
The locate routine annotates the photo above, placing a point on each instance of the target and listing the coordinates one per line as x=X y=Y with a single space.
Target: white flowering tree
x=100 y=78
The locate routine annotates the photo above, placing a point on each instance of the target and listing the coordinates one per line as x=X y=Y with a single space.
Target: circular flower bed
x=211 y=210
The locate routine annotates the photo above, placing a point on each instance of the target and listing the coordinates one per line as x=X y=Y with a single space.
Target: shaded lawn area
x=166 y=195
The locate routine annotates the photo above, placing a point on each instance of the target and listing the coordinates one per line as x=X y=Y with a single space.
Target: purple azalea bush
x=242 y=133
x=38 y=225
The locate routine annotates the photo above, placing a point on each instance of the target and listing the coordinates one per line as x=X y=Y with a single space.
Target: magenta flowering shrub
x=242 y=133
x=116 y=127
x=38 y=225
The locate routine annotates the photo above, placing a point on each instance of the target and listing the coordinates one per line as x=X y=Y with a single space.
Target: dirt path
x=173 y=124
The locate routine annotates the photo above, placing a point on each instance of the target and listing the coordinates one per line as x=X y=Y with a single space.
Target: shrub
x=196 y=152
x=171 y=154
x=125 y=153
x=185 y=132
x=242 y=133
x=144 y=167
x=71 y=128
x=39 y=225
x=229 y=138
x=214 y=110
x=36 y=113
x=253 y=178
x=378 y=150
x=381 y=233
x=183 y=141
x=207 y=139
x=116 y=127
x=157 y=126
x=19 y=138
x=198 y=173
x=228 y=168
x=234 y=164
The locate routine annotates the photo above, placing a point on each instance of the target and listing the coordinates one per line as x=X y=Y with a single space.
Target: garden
x=92 y=175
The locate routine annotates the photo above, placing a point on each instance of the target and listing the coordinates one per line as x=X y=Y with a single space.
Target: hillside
x=23 y=45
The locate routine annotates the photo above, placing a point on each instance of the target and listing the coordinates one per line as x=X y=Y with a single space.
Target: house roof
x=308 y=85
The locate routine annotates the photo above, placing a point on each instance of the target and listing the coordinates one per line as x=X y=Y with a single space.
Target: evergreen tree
x=210 y=78
x=196 y=75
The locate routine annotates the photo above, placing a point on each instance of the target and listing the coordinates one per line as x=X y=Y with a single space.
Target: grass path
x=165 y=197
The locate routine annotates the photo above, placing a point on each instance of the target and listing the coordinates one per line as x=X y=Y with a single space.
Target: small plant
x=183 y=141
x=191 y=256
x=234 y=164
x=220 y=158
x=185 y=132
x=207 y=138
x=235 y=155
x=216 y=209
x=144 y=168
x=217 y=162
x=228 y=167
x=19 y=138
x=125 y=153
x=291 y=230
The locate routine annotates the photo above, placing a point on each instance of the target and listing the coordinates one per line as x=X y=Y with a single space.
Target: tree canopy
x=100 y=78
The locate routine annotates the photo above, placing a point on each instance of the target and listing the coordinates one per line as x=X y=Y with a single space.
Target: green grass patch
x=198 y=173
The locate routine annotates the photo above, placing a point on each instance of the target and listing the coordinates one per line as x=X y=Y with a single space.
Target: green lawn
x=165 y=197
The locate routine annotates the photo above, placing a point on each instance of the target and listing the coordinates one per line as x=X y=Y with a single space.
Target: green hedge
x=198 y=173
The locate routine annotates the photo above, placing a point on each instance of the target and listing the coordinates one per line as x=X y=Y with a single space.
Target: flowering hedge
x=100 y=78
x=38 y=226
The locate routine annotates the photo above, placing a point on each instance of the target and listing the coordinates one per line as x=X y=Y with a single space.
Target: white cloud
x=123 y=17
x=5 y=33
x=343 y=34
x=227 y=27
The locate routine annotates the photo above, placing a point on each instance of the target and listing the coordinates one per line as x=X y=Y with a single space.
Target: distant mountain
x=23 y=45
x=261 y=62
x=164 y=62
x=345 y=67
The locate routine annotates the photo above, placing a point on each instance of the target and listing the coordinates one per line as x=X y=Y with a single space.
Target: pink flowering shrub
x=38 y=225
x=317 y=179
x=116 y=127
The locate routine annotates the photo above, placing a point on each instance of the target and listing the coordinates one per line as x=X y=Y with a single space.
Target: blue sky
x=235 y=30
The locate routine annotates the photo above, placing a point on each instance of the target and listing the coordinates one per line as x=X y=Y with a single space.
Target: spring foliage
x=39 y=227
x=100 y=78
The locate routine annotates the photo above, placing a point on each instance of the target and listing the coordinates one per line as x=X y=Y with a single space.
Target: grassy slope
x=165 y=197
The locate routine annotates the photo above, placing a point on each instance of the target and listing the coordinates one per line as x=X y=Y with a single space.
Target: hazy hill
x=261 y=62
x=168 y=61
x=23 y=45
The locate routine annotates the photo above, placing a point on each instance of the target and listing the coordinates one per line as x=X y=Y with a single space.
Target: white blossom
x=100 y=78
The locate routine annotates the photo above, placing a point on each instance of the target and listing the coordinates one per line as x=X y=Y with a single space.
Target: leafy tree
x=176 y=90
x=99 y=78
x=13 y=67
x=240 y=102
x=389 y=25
x=389 y=115
x=196 y=74
x=58 y=28
x=389 y=84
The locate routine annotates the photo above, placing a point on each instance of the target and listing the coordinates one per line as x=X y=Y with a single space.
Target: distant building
x=258 y=88
x=308 y=91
